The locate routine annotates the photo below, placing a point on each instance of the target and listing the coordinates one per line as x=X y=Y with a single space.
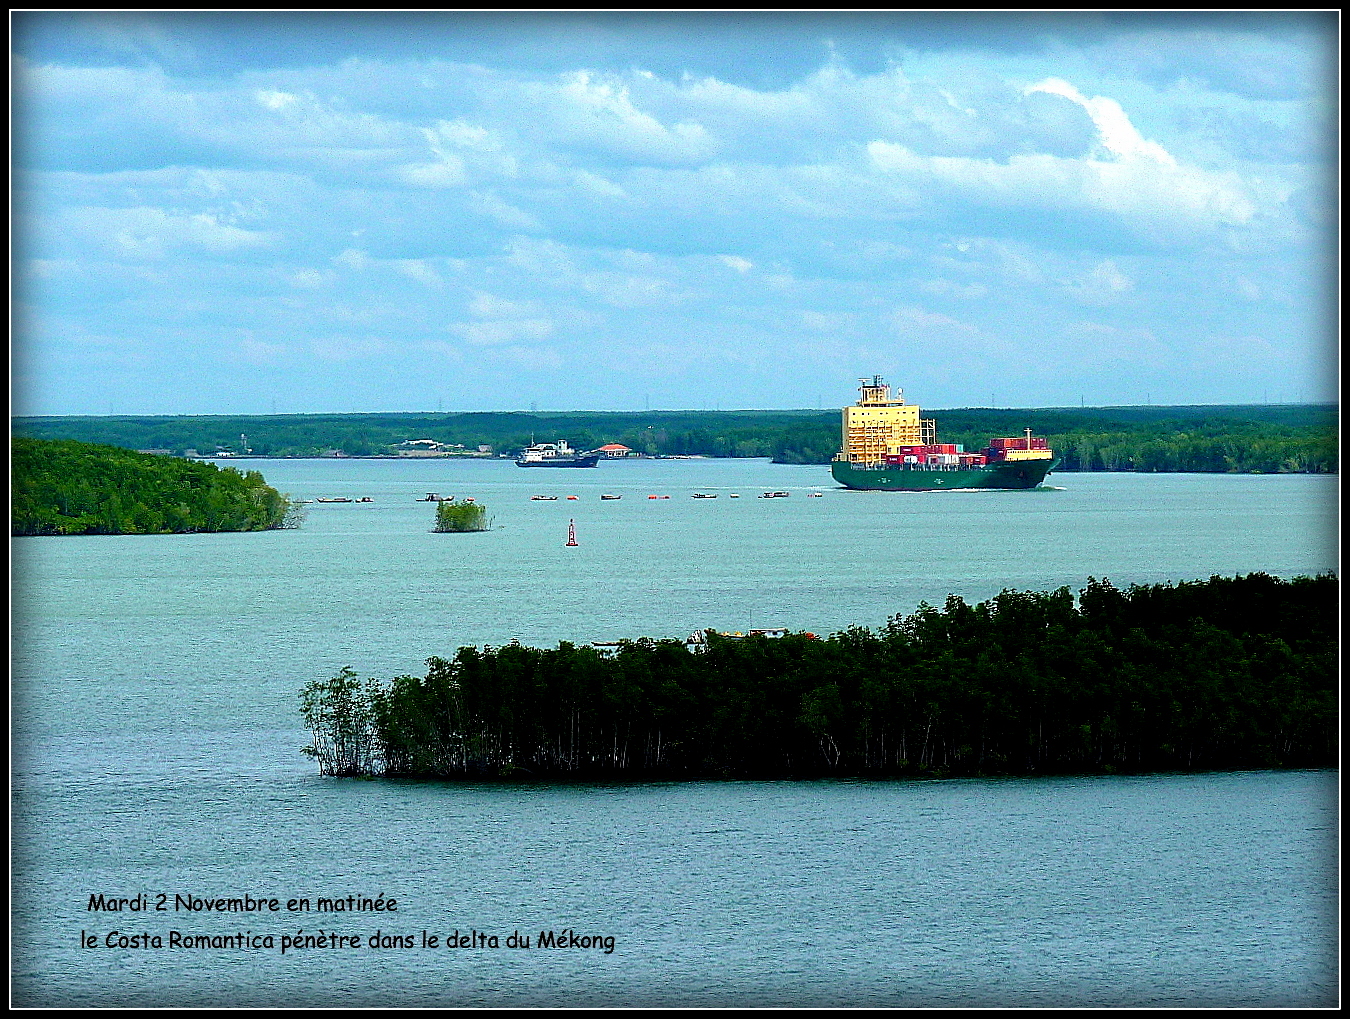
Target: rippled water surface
x=155 y=750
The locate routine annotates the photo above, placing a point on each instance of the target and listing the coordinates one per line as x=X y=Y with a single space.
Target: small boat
x=543 y=498
x=338 y=499
x=366 y=498
x=605 y=498
x=705 y=495
x=817 y=495
x=734 y=495
x=435 y=497
x=571 y=498
x=775 y=495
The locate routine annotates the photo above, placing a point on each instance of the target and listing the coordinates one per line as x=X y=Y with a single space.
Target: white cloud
x=420 y=271
x=599 y=110
x=448 y=172
x=462 y=134
x=946 y=288
x=490 y=306
x=541 y=257
x=147 y=232
x=502 y=322
x=1166 y=200
x=673 y=213
x=598 y=185
x=274 y=100
x=628 y=290
x=309 y=279
x=909 y=318
x=502 y=332
x=1103 y=284
x=1131 y=178
x=1118 y=136
x=353 y=259
x=741 y=265
x=488 y=204
x=462 y=151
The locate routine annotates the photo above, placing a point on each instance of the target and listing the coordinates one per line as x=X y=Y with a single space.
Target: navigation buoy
x=571 y=534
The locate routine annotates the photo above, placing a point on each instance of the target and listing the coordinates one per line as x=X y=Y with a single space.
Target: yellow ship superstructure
x=879 y=424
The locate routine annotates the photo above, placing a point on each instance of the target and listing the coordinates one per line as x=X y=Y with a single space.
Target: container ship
x=556 y=454
x=889 y=447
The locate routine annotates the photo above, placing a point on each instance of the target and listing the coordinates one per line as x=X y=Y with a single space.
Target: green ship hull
x=1017 y=474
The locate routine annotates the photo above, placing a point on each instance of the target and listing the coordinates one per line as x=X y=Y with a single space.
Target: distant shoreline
x=700 y=456
x=1267 y=439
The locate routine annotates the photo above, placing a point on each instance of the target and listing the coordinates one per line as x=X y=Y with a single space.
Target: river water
x=156 y=736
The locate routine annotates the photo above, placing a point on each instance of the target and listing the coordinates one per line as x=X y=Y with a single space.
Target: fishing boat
x=775 y=495
x=338 y=499
x=543 y=498
x=705 y=495
x=606 y=498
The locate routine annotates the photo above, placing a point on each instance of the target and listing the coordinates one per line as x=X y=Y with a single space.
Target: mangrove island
x=1225 y=674
x=60 y=486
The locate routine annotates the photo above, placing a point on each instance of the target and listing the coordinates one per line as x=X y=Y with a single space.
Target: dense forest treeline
x=1268 y=439
x=66 y=487
x=1228 y=673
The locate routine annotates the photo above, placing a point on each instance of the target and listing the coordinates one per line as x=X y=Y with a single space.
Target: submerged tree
x=454 y=517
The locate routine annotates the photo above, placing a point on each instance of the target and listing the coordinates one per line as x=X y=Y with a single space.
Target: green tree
x=340 y=713
x=454 y=517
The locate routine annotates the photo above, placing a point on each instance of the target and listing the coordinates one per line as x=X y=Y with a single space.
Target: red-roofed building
x=614 y=449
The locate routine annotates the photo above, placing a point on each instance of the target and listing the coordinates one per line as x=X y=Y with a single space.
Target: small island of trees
x=459 y=517
x=1229 y=673
x=66 y=487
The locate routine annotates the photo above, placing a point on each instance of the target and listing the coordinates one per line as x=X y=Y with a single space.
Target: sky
x=226 y=213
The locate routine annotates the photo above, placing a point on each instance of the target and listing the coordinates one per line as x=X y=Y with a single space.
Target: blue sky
x=241 y=213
